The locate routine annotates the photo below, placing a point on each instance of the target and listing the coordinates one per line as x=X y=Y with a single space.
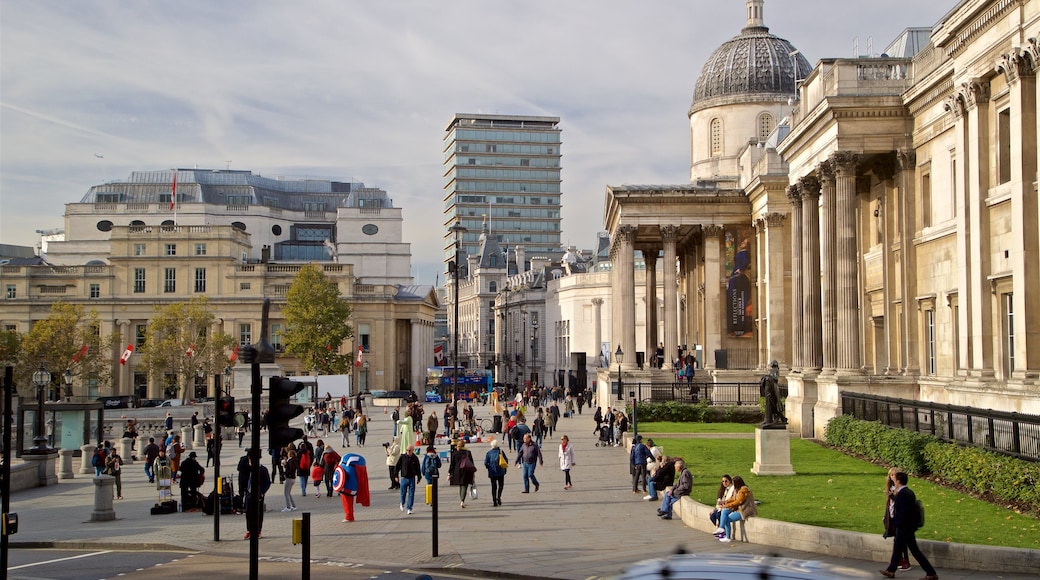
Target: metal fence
x=1013 y=434
x=720 y=394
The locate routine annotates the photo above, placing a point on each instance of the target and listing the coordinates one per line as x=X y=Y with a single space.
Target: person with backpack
x=461 y=471
x=497 y=464
x=907 y=518
x=329 y=461
x=431 y=465
x=303 y=467
x=97 y=461
x=890 y=502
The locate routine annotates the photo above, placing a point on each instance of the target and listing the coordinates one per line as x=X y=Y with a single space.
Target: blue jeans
x=651 y=490
x=407 y=492
x=726 y=519
x=667 y=502
x=303 y=485
x=529 y=476
x=148 y=471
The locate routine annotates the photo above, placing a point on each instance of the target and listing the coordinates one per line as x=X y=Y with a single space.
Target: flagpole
x=173 y=198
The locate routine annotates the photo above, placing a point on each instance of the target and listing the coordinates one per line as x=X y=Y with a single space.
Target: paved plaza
x=593 y=530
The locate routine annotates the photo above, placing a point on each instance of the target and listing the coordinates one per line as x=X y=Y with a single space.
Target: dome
x=754 y=61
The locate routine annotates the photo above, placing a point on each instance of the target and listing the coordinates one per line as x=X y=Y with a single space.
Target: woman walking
x=291 y=468
x=497 y=464
x=890 y=511
x=566 y=460
x=461 y=471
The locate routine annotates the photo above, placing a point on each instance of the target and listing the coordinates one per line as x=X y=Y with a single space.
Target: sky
x=91 y=90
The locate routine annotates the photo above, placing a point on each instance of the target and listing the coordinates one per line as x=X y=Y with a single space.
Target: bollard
x=142 y=442
x=126 y=450
x=104 y=510
x=65 y=464
x=46 y=466
x=186 y=437
x=87 y=451
x=200 y=437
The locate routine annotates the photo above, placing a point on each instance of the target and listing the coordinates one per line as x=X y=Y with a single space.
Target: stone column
x=884 y=169
x=65 y=470
x=126 y=450
x=812 y=343
x=597 y=328
x=825 y=171
x=625 y=293
x=104 y=508
x=979 y=305
x=86 y=453
x=650 y=259
x=775 y=272
x=847 y=281
x=712 y=293
x=669 y=234
x=1025 y=241
x=199 y=437
x=955 y=105
x=185 y=432
x=794 y=196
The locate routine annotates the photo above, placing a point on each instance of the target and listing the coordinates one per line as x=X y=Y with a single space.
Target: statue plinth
x=772 y=452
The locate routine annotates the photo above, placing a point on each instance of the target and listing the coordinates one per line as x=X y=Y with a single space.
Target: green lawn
x=651 y=427
x=836 y=491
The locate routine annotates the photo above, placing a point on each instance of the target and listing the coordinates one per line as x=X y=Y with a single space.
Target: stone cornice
x=968 y=32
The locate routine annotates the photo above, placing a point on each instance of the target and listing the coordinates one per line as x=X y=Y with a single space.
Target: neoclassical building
x=882 y=238
x=236 y=238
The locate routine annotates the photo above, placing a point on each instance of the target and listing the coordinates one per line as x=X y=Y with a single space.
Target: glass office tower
x=505 y=167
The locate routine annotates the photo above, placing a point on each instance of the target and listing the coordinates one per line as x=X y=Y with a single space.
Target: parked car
x=737 y=567
x=171 y=403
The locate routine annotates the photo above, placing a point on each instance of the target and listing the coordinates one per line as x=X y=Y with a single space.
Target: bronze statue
x=769 y=388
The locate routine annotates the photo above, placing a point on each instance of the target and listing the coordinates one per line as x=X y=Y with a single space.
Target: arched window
x=715 y=130
x=765 y=126
x=493 y=286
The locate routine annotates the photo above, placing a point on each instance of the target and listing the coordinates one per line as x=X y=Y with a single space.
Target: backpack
x=919 y=523
x=429 y=467
x=98 y=460
x=305 y=461
x=330 y=458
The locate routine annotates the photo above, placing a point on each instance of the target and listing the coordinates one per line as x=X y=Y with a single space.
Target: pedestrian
x=173 y=453
x=194 y=420
x=906 y=518
x=637 y=459
x=530 y=457
x=461 y=471
x=151 y=451
x=243 y=474
x=566 y=460
x=598 y=418
x=303 y=467
x=97 y=460
x=210 y=449
x=168 y=421
x=683 y=486
x=362 y=429
x=890 y=500
x=191 y=480
x=431 y=465
x=408 y=472
x=329 y=461
x=255 y=514
x=393 y=453
x=291 y=469
x=344 y=430
x=241 y=432
x=114 y=467
x=497 y=464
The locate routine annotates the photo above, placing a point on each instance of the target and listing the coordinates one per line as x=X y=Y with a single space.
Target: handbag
x=473 y=490
x=502 y=460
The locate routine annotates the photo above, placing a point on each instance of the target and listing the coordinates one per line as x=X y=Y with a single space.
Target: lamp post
x=619 y=357
x=457 y=230
x=534 y=347
x=68 y=385
x=42 y=379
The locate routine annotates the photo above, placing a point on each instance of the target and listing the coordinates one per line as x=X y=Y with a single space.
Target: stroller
x=604 y=436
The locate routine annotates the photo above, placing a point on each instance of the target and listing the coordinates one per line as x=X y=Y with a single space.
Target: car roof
x=737 y=567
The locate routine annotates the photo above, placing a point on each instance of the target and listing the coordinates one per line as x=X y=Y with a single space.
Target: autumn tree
x=68 y=339
x=180 y=343
x=316 y=322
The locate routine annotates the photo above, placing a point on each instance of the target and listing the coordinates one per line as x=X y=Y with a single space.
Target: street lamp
x=534 y=347
x=68 y=384
x=619 y=357
x=457 y=230
x=41 y=378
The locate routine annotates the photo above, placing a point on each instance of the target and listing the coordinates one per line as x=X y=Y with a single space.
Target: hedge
x=701 y=412
x=1007 y=479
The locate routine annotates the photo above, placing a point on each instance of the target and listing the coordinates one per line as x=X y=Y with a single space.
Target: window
x=239 y=199
x=200 y=279
x=140 y=333
x=95 y=290
x=12 y=291
x=1008 y=307
x=245 y=333
x=276 y=337
x=11 y=327
x=493 y=286
x=715 y=136
x=171 y=249
x=929 y=341
x=926 y=200
x=1004 y=146
x=200 y=249
x=313 y=206
x=525 y=163
x=170 y=280
x=138 y=249
x=139 y=279
x=364 y=336
x=765 y=126
x=245 y=285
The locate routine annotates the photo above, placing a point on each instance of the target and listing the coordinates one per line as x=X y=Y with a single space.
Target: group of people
x=611 y=426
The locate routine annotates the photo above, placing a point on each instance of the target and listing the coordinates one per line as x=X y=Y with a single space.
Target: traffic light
x=282 y=411
x=226 y=412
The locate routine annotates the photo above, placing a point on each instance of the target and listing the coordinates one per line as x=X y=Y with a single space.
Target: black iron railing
x=719 y=394
x=1014 y=434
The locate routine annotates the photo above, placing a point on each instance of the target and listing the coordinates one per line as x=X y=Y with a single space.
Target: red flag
x=79 y=355
x=360 y=351
x=126 y=354
x=190 y=351
x=438 y=355
x=234 y=355
x=173 y=196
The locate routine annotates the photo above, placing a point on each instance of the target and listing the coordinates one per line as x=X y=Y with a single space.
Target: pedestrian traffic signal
x=226 y=416
x=282 y=410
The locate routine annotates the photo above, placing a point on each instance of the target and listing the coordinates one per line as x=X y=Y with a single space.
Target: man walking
x=408 y=472
x=151 y=451
x=637 y=459
x=528 y=456
x=906 y=520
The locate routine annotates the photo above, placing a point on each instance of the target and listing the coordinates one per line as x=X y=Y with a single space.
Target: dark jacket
x=665 y=475
x=684 y=485
x=639 y=454
x=905 y=517
x=530 y=453
x=191 y=473
x=408 y=467
x=491 y=462
x=457 y=475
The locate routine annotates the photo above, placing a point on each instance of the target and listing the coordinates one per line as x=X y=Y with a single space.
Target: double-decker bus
x=474 y=384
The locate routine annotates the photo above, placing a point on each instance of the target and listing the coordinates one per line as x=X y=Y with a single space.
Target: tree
x=180 y=343
x=316 y=322
x=68 y=339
